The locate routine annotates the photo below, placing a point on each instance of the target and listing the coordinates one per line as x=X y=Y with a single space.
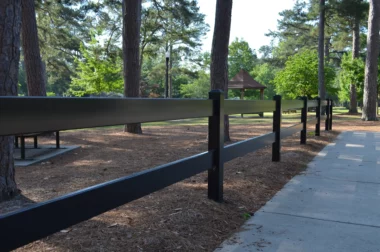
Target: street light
x=167 y=55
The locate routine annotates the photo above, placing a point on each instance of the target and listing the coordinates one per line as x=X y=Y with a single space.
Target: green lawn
x=340 y=110
x=234 y=119
x=247 y=119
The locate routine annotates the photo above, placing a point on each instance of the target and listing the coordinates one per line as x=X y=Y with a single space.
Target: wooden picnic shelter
x=243 y=81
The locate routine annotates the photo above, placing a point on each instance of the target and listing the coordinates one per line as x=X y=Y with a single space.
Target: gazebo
x=243 y=81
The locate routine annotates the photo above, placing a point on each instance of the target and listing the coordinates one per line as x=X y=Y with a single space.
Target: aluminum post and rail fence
x=22 y=115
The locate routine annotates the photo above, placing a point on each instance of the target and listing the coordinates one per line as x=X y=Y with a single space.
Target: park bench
x=35 y=141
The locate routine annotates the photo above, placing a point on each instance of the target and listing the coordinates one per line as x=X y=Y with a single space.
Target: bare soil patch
x=179 y=217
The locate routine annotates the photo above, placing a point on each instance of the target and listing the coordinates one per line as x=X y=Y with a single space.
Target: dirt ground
x=179 y=217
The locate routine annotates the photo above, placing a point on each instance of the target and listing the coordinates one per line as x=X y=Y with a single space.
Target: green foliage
x=203 y=61
x=265 y=74
x=176 y=26
x=352 y=69
x=297 y=30
x=246 y=216
x=62 y=26
x=97 y=73
x=240 y=56
x=300 y=76
x=350 y=9
x=352 y=72
x=199 y=88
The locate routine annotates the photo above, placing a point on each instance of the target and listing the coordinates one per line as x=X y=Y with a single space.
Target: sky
x=251 y=19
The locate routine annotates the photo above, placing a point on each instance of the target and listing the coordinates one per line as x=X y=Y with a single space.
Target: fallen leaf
x=113 y=225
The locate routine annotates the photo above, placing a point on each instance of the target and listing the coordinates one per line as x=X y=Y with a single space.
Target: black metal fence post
x=276 y=146
x=331 y=114
x=327 y=115
x=318 y=115
x=216 y=144
x=22 y=147
x=304 y=120
x=35 y=142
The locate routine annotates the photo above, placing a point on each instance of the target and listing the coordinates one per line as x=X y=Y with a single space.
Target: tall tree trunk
x=371 y=68
x=35 y=74
x=170 y=71
x=10 y=23
x=321 y=44
x=327 y=49
x=355 y=54
x=219 y=53
x=166 y=95
x=131 y=58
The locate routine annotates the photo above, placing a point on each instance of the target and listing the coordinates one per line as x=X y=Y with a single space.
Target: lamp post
x=167 y=55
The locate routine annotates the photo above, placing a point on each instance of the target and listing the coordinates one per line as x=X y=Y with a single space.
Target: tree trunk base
x=134 y=128
x=370 y=119
x=8 y=187
x=8 y=191
x=353 y=111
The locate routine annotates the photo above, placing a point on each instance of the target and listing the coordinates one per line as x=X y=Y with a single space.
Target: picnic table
x=35 y=141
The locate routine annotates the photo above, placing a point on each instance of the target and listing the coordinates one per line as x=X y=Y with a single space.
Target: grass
x=339 y=110
x=234 y=120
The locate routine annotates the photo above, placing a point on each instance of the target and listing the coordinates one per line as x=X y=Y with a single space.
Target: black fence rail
x=20 y=115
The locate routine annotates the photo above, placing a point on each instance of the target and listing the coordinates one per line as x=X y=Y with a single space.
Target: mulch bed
x=179 y=217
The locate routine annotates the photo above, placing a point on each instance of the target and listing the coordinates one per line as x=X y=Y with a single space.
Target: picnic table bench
x=35 y=141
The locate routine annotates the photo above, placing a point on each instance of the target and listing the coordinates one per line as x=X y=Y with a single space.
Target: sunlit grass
x=340 y=110
x=234 y=120
x=238 y=120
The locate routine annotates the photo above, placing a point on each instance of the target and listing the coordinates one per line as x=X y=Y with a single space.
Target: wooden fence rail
x=20 y=115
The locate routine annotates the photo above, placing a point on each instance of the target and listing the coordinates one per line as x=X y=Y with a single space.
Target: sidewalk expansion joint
x=326 y=220
x=345 y=180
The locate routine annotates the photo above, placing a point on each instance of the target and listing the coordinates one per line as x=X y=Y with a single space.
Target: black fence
x=21 y=115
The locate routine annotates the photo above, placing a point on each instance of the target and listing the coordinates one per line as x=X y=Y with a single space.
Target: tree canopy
x=80 y=45
x=300 y=76
x=240 y=56
x=96 y=72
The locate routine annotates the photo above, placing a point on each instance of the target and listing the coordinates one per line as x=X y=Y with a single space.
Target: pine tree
x=371 y=66
x=219 y=53
x=35 y=72
x=351 y=14
x=131 y=49
x=321 y=53
x=10 y=21
x=62 y=27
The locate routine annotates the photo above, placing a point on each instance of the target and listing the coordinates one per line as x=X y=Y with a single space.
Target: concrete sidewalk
x=333 y=206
